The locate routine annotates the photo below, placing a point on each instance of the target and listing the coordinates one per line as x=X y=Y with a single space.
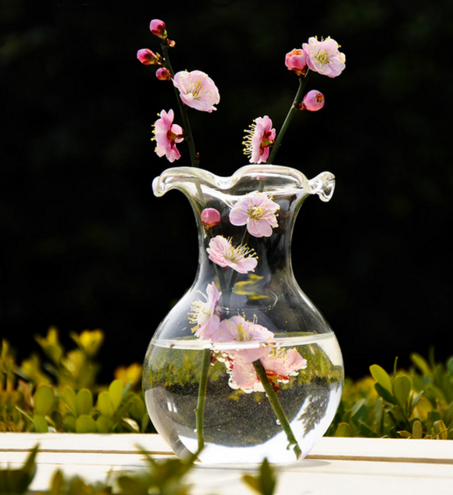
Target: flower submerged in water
x=197 y=90
x=260 y=137
x=167 y=135
x=283 y=363
x=204 y=313
x=324 y=57
x=258 y=212
x=279 y=364
x=240 y=258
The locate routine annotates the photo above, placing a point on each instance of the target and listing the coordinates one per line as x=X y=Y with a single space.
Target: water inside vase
x=241 y=427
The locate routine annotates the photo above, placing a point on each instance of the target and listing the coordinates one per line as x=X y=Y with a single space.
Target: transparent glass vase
x=244 y=366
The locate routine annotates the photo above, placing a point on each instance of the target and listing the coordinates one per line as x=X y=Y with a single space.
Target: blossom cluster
x=198 y=91
x=258 y=212
x=280 y=364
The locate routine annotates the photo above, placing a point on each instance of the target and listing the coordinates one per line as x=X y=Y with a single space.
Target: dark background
x=85 y=244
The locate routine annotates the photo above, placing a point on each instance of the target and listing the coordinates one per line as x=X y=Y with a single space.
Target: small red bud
x=158 y=28
x=163 y=74
x=210 y=217
x=147 y=57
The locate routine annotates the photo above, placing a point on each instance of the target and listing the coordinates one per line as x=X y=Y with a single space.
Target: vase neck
x=245 y=225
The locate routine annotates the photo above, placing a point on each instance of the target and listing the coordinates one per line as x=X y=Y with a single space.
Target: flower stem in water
x=205 y=363
x=276 y=406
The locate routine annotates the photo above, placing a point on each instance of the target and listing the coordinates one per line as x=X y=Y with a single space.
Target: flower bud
x=158 y=28
x=147 y=57
x=210 y=217
x=313 y=101
x=296 y=60
x=163 y=74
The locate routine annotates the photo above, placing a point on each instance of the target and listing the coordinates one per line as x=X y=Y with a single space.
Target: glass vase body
x=244 y=315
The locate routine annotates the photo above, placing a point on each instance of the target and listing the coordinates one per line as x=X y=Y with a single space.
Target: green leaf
x=421 y=364
x=43 y=399
x=13 y=481
x=265 y=482
x=84 y=401
x=104 y=424
x=450 y=366
x=359 y=410
x=137 y=408
x=85 y=424
x=381 y=377
x=417 y=430
x=57 y=483
x=40 y=423
x=384 y=393
x=70 y=400
x=105 y=405
x=116 y=393
x=448 y=416
x=440 y=430
x=415 y=401
x=252 y=482
x=343 y=430
x=402 y=386
x=130 y=425
x=69 y=422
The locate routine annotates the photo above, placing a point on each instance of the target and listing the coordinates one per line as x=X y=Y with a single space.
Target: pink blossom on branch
x=258 y=212
x=296 y=60
x=324 y=57
x=260 y=137
x=197 y=90
x=167 y=135
x=313 y=101
x=222 y=252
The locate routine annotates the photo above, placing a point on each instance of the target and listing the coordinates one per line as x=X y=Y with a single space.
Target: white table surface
x=335 y=466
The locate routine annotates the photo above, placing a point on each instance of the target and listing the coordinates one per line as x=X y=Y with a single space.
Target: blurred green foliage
x=164 y=477
x=417 y=403
x=62 y=394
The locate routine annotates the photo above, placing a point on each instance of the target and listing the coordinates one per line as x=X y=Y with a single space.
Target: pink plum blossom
x=257 y=211
x=167 y=135
x=158 y=28
x=280 y=366
x=210 y=217
x=258 y=140
x=324 y=57
x=313 y=101
x=239 y=362
x=284 y=363
x=147 y=57
x=197 y=90
x=296 y=60
x=163 y=74
x=204 y=313
x=240 y=258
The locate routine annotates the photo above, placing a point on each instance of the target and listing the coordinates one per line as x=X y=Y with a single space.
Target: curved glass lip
x=175 y=178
